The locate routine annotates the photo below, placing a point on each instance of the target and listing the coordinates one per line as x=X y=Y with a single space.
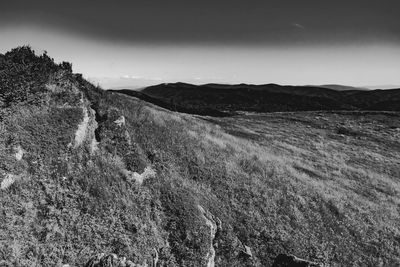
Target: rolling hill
x=94 y=178
x=213 y=99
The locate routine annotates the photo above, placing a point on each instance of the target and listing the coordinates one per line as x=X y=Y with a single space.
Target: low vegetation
x=319 y=185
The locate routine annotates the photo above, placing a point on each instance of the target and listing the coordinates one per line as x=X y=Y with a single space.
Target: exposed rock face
x=210 y=221
x=283 y=260
x=86 y=129
x=94 y=145
x=81 y=132
x=92 y=134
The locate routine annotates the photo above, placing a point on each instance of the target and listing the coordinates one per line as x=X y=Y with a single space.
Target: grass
x=305 y=182
x=340 y=184
x=279 y=183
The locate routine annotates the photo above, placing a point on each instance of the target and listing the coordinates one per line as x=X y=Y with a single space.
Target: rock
x=19 y=153
x=8 y=181
x=245 y=250
x=155 y=258
x=94 y=145
x=283 y=260
x=81 y=132
x=219 y=230
x=120 y=121
x=210 y=222
x=148 y=173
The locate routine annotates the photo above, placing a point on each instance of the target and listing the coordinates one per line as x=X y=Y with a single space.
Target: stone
x=247 y=251
x=8 y=181
x=19 y=153
x=210 y=222
x=120 y=121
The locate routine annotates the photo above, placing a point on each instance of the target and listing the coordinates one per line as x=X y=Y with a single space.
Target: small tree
x=21 y=55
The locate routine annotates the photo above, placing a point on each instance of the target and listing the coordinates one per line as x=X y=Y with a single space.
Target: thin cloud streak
x=297 y=25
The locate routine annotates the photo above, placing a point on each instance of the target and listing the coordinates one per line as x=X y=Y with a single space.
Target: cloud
x=136 y=77
x=299 y=26
x=131 y=77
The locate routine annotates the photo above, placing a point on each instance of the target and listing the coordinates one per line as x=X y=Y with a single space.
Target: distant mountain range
x=223 y=99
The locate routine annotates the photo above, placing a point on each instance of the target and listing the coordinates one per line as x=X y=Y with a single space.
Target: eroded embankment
x=86 y=131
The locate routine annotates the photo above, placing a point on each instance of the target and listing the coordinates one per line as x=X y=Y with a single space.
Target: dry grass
x=339 y=193
x=356 y=179
x=296 y=174
x=280 y=183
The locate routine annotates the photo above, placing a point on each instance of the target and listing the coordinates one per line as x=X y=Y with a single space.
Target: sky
x=133 y=43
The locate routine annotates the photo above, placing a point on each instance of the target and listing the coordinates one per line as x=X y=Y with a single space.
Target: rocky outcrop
x=215 y=226
x=285 y=260
x=81 y=132
x=92 y=134
x=87 y=128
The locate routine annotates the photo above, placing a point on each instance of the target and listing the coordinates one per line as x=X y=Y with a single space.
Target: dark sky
x=217 y=21
x=301 y=42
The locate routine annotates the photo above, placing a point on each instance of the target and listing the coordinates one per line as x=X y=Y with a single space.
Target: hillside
x=339 y=87
x=212 y=99
x=85 y=171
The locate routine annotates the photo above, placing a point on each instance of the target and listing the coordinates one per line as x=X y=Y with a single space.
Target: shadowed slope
x=209 y=99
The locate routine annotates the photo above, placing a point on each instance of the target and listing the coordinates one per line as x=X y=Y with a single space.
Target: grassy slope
x=292 y=183
x=341 y=191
